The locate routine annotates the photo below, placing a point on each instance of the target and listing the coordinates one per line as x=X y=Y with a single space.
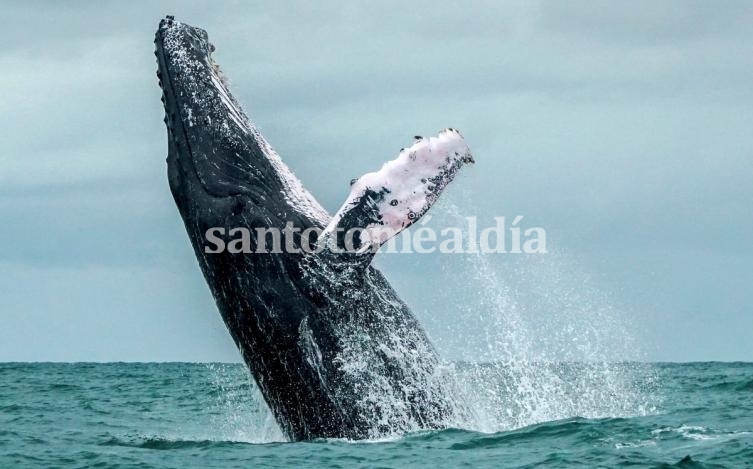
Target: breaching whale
x=332 y=348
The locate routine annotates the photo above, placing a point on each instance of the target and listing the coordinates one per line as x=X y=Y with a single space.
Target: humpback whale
x=332 y=348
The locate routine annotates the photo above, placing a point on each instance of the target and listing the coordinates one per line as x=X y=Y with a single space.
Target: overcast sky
x=622 y=128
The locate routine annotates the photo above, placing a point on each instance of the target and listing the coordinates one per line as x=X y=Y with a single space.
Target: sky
x=621 y=128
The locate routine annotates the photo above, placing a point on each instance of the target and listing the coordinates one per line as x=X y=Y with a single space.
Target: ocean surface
x=211 y=415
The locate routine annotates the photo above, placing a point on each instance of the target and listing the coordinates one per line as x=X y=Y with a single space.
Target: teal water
x=209 y=415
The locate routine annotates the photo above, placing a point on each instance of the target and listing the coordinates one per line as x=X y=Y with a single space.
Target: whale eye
x=353 y=181
x=393 y=202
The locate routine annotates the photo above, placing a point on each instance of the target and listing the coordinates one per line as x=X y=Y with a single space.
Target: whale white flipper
x=383 y=203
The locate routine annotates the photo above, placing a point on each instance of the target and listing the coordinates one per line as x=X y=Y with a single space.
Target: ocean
x=178 y=415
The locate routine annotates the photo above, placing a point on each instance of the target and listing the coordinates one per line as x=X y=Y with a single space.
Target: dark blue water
x=198 y=415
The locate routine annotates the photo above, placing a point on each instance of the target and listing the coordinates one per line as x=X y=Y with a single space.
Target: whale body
x=332 y=348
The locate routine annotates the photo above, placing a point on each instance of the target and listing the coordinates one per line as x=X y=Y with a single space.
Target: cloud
x=620 y=129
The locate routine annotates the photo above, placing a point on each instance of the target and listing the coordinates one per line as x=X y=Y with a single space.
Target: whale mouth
x=191 y=77
x=211 y=140
x=184 y=60
x=190 y=81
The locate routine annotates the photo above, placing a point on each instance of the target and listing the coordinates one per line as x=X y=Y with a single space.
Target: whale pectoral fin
x=383 y=203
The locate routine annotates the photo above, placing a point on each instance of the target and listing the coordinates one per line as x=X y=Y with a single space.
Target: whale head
x=219 y=164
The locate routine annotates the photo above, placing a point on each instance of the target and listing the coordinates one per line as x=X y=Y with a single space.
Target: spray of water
x=552 y=346
x=238 y=409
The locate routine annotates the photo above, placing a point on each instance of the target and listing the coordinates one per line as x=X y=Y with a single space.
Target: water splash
x=239 y=412
x=552 y=346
